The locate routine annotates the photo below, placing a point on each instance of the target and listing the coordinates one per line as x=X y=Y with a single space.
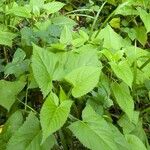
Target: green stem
x=135 y=74
x=78 y=10
x=96 y=18
x=26 y=99
x=82 y=15
x=27 y=106
x=145 y=64
x=105 y=22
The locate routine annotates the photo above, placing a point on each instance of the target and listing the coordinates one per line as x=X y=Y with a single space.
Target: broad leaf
x=112 y=40
x=126 y=9
x=62 y=95
x=29 y=136
x=72 y=60
x=123 y=98
x=127 y=125
x=145 y=18
x=94 y=132
x=9 y=91
x=10 y=127
x=18 y=65
x=123 y=71
x=66 y=35
x=133 y=53
x=43 y=65
x=53 y=7
x=142 y=38
x=6 y=38
x=53 y=116
x=62 y=20
x=135 y=142
x=83 y=79
x=20 y=11
x=36 y=6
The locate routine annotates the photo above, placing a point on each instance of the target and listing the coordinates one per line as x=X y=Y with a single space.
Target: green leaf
x=133 y=53
x=119 y=138
x=83 y=79
x=9 y=91
x=53 y=7
x=66 y=35
x=142 y=38
x=115 y=23
x=145 y=18
x=28 y=136
x=52 y=115
x=36 y=6
x=123 y=71
x=126 y=9
x=62 y=95
x=20 y=11
x=6 y=38
x=72 y=60
x=94 y=132
x=123 y=98
x=10 y=127
x=135 y=142
x=62 y=20
x=43 y=65
x=18 y=65
x=112 y=40
x=127 y=125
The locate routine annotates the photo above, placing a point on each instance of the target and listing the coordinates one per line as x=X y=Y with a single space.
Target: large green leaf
x=127 y=125
x=53 y=116
x=70 y=61
x=53 y=7
x=66 y=35
x=123 y=71
x=123 y=98
x=112 y=40
x=62 y=20
x=43 y=65
x=142 y=38
x=10 y=127
x=9 y=91
x=119 y=138
x=20 y=11
x=36 y=6
x=133 y=53
x=135 y=142
x=145 y=18
x=28 y=136
x=126 y=9
x=18 y=65
x=6 y=38
x=83 y=79
x=94 y=132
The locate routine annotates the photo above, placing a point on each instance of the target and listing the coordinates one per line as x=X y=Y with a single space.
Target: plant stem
x=135 y=74
x=78 y=10
x=105 y=22
x=82 y=15
x=145 y=64
x=27 y=106
x=26 y=99
x=96 y=18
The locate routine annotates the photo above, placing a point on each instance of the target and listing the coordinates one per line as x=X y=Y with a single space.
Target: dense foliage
x=74 y=75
